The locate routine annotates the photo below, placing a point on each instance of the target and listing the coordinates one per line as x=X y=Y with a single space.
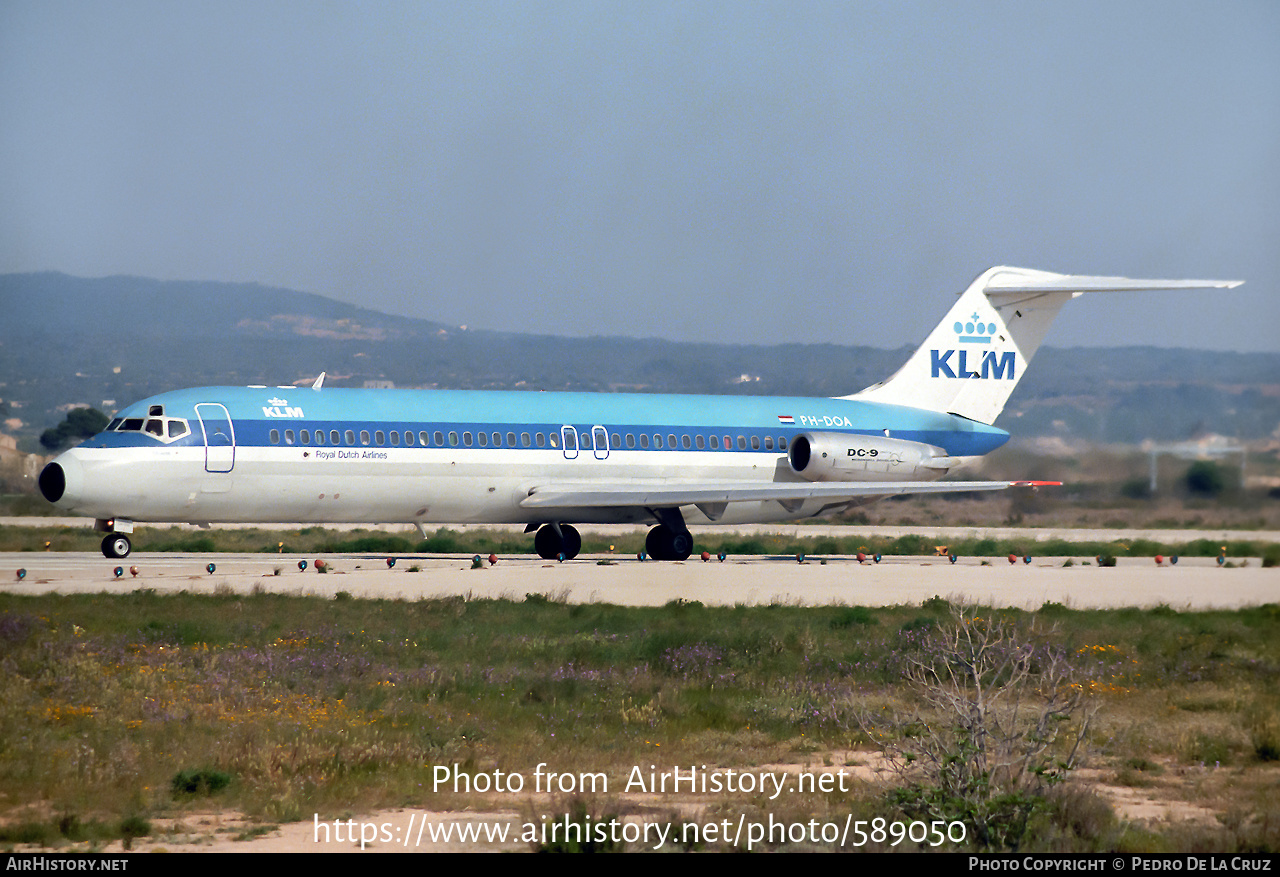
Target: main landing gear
x=554 y=540
x=116 y=545
x=670 y=540
x=664 y=543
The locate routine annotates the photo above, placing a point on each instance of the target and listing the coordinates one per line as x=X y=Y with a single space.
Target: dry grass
x=338 y=707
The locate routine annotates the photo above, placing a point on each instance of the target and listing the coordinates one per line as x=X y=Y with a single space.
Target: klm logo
x=988 y=364
x=991 y=365
x=975 y=331
x=280 y=408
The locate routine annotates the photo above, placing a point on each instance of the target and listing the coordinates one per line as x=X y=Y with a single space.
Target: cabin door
x=219 y=437
x=569 y=441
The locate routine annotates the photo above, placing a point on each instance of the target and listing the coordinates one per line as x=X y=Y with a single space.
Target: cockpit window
x=166 y=429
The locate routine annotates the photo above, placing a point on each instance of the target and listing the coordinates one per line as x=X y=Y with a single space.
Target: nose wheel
x=116 y=545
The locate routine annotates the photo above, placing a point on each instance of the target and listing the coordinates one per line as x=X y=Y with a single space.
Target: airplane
x=551 y=460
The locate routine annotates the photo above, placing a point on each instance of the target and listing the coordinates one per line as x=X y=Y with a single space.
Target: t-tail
x=972 y=361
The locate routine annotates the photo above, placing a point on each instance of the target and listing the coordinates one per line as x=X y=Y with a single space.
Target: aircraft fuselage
x=427 y=456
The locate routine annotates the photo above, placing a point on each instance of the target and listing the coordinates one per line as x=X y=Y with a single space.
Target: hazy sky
x=748 y=172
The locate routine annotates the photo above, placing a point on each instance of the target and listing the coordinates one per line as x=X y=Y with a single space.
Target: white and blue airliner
x=551 y=460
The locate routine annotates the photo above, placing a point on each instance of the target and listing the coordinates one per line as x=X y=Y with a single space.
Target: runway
x=1194 y=583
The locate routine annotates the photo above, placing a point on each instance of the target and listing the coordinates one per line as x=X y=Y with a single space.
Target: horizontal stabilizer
x=1089 y=283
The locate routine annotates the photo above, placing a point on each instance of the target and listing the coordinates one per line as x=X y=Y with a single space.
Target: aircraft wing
x=667 y=495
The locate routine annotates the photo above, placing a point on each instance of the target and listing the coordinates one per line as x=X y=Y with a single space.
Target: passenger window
x=768 y=443
x=616 y=439
x=644 y=440
x=701 y=442
x=685 y=442
x=484 y=440
x=540 y=440
x=453 y=439
x=364 y=436
x=657 y=441
x=715 y=443
x=466 y=438
x=275 y=436
x=511 y=439
x=288 y=436
x=553 y=438
x=782 y=443
x=439 y=437
x=755 y=443
x=334 y=438
x=524 y=439
x=379 y=437
x=497 y=439
x=631 y=439
x=728 y=443
x=319 y=436
x=395 y=437
x=408 y=438
x=350 y=436
x=671 y=441
x=742 y=443
x=305 y=435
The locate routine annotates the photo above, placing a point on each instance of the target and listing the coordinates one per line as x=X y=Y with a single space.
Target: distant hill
x=67 y=340
x=51 y=303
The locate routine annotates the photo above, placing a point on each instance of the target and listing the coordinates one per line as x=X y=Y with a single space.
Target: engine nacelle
x=834 y=456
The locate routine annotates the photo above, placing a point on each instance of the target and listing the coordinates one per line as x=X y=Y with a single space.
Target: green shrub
x=851 y=616
x=200 y=782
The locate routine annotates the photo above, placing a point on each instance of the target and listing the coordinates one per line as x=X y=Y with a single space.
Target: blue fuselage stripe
x=256 y=412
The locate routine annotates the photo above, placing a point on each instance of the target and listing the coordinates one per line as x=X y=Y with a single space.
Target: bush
x=853 y=615
x=1206 y=478
x=1002 y=717
x=200 y=782
x=131 y=827
x=80 y=423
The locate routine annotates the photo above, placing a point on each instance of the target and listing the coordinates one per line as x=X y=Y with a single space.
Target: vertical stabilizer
x=971 y=362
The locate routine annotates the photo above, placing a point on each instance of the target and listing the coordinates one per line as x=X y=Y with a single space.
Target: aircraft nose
x=53 y=482
x=61 y=480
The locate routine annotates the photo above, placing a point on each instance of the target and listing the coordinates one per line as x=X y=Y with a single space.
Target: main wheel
x=116 y=545
x=570 y=542
x=663 y=543
x=681 y=545
x=547 y=543
x=655 y=544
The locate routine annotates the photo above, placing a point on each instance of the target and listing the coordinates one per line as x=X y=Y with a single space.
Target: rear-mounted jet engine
x=834 y=456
